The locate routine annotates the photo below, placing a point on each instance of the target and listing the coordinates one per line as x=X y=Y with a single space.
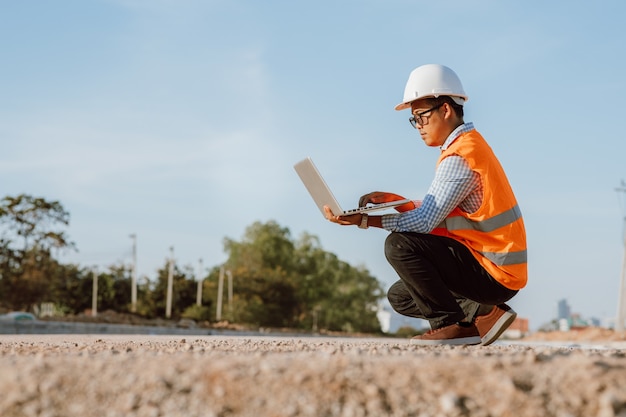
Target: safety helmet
x=432 y=80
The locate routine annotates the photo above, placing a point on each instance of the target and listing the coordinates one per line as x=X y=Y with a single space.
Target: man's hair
x=435 y=101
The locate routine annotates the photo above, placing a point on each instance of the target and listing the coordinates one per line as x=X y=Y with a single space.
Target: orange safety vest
x=495 y=233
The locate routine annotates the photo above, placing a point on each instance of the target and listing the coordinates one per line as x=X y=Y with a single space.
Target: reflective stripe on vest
x=509 y=258
x=486 y=226
x=489 y=225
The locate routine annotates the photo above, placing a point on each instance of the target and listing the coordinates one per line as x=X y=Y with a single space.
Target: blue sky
x=180 y=121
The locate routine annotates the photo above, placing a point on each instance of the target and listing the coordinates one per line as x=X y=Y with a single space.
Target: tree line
x=277 y=281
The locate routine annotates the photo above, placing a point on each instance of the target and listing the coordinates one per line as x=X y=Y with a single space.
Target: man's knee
x=401 y=301
x=397 y=294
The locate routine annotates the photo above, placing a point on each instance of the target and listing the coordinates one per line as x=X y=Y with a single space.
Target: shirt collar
x=464 y=128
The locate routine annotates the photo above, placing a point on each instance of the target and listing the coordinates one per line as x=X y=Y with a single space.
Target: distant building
x=517 y=329
x=563 y=310
x=391 y=322
x=596 y=322
x=384 y=318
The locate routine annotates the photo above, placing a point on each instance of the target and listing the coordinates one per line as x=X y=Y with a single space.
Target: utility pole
x=220 y=290
x=621 y=305
x=170 y=285
x=230 y=291
x=94 y=293
x=200 y=280
x=133 y=284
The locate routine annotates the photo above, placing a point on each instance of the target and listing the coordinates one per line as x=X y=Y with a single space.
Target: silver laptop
x=322 y=195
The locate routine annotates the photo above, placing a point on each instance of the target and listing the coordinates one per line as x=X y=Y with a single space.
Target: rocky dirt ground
x=83 y=375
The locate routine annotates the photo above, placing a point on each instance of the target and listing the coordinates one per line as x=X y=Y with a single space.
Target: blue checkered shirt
x=454 y=185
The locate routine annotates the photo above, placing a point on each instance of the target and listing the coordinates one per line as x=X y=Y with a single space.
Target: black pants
x=440 y=280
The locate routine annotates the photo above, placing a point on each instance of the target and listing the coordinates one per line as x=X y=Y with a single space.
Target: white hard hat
x=432 y=80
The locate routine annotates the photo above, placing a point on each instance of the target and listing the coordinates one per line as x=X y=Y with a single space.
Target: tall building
x=563 y=311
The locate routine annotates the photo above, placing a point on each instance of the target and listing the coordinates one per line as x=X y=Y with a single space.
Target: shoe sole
x=472 y=340
x=498 y=328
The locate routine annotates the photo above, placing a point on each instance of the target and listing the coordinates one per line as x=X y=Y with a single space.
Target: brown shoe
x=493 y=324
x=453 y=334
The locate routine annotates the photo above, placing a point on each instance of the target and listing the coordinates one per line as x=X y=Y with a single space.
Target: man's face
x=430 y=120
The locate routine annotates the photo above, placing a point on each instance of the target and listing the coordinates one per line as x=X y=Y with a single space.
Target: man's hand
x=342 y=220
x=378 y=197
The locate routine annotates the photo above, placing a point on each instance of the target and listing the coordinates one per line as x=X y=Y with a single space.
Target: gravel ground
x=83 y=375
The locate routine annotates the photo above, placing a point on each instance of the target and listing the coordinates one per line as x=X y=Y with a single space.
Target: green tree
x=183 y=291
x=262 y=265
x=31 y=231
x=26 y=280
x=114 y=288
x=281 y=283
x=71 y=288
x=32 y=222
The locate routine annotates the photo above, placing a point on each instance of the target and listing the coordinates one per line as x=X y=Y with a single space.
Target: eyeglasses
x=420 y=119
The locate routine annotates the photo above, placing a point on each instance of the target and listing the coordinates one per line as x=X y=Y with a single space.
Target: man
x=460 y=252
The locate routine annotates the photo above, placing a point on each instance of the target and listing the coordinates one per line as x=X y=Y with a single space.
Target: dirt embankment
x=238 y=376
x=583 y=334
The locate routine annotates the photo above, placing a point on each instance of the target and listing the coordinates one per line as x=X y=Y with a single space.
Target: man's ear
x=449 y=110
